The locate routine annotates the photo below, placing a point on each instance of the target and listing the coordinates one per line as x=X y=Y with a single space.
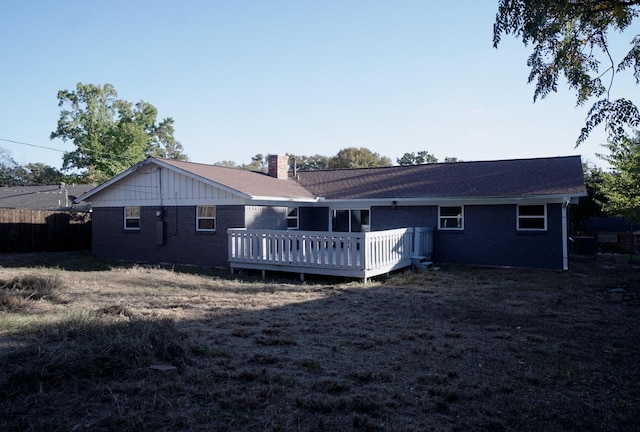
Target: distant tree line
x=31 y=174
x=350 y=157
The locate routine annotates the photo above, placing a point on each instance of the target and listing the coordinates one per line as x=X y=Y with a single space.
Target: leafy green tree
x=353 y=157
x=110 y=134
x=571 y=38
x=622 y=186
x=308 y=163
x=43 y=174
x=258 y=163
x=593 y=204
x=422 y=157
x=10 y=174
x=164 y=144
x=226 y=163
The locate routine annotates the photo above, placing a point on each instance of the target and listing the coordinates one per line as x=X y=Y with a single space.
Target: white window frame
x=459 y=217
x=199 y=218
x=128 y=218
x=525 y=217
x=295 y=218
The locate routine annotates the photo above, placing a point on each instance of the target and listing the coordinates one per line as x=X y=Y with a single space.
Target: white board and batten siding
x=153 y=186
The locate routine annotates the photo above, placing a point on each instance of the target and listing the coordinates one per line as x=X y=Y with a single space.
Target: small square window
x=206 y=218
x=292 y=218
x=532 y=217
x=132 y=218
x=451 y=218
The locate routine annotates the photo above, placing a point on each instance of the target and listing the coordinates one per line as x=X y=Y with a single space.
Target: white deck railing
x=342 y=254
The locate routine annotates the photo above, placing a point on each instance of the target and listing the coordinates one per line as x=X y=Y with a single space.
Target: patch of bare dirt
x=459 y=349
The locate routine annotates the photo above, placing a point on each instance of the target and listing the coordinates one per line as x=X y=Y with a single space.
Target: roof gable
x=193 y=181
x=252 y=183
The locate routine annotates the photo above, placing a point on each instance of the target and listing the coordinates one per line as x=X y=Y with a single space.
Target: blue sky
x=247 y=77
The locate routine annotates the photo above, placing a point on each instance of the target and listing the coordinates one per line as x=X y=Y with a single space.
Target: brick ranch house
x=500 y=213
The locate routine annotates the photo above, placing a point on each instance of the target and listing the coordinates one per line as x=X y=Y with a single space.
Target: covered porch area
x=358 y=255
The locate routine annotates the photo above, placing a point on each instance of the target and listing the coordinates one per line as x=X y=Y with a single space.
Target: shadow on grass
x=453 y=351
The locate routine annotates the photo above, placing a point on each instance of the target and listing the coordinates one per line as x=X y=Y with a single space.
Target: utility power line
x=32 y=145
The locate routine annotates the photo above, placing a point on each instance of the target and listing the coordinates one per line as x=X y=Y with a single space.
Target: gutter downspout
x=565 y=237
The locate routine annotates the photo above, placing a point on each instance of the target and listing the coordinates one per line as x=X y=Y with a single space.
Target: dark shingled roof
x=43 y=197
x=255 y=184
x=503 y=178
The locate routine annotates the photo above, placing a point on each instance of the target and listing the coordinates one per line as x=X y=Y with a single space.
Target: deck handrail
x=337 y=252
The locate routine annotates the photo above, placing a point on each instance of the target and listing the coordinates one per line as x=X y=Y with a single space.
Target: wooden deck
x=357 y=255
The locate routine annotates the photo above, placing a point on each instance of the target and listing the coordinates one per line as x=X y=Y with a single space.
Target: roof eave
x=470 y=199
x=292 y=199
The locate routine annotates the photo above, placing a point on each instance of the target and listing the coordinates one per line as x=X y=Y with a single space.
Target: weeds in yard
x=311 y=365
x=263 y=359
x=462 y=348
x=17 y=293
x=84 y=347
x=211 y=351
x=116 y=310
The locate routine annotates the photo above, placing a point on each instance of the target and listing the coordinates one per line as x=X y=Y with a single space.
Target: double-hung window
x=206 y=218
x=532 y=217
x=132 y=218
x=451 y=217
x=292 y=218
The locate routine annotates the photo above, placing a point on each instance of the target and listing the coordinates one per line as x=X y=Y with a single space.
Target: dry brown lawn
x=90 y=345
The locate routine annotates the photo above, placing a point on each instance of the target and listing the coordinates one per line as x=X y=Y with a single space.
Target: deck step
x=421 y=262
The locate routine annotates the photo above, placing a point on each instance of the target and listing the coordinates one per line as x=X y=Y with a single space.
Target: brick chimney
x=279 y=166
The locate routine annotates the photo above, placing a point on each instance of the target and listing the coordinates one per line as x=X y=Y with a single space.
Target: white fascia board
x=520 y=199
x=270 y=201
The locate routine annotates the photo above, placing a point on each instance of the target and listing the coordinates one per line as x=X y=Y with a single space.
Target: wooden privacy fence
x=44 y=230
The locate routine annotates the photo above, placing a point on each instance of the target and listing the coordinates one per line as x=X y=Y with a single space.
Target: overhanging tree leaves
x=110 y=134
x=571 y=38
